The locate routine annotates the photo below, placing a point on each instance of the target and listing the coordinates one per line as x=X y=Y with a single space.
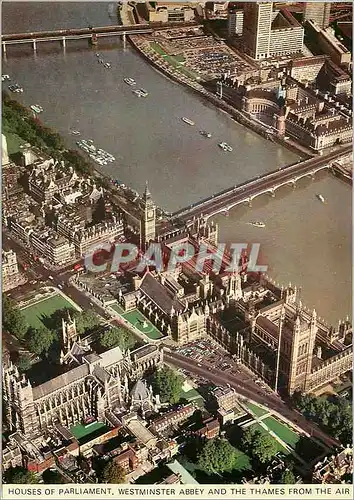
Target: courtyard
x=37 y=314
x=139 y=321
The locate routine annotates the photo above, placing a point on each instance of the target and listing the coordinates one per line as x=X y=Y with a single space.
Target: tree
x=167 y=383
x=12 y=319
x=287 y=477
x=113 y=473
x=247 y=440
x=264 y=447
x=40 y=340
x=20 y=475
x=85 y=321
x=217 y=455
x=52 y=477
x=24 y=362
x=117 y=337
x=333 y=416
x=259 y=445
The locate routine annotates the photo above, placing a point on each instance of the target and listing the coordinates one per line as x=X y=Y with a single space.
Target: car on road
x=51 y=278
x=60 y=287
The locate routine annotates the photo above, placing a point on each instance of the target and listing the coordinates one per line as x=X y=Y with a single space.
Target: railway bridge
x=63 y=36
x=265 y=184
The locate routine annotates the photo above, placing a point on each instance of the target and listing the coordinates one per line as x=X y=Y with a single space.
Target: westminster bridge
x=264 y=184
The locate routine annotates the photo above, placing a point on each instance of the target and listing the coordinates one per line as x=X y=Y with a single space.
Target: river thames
x=304 y=241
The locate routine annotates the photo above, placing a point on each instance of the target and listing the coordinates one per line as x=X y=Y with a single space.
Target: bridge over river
x=90 y=33
x=267 y=183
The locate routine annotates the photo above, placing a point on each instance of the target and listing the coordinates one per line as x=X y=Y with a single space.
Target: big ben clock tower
x=148 y=222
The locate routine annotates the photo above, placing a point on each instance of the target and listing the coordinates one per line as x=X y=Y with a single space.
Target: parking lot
x=206 y=352
x=201 y=52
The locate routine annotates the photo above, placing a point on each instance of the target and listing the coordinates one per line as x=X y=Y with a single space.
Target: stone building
x=268 y=32
x=292 y=108
x=10 y=182
x=172 y=418
x=331 y=470
x=326 y=42
x=97 y=385
x=148 y=221
x=11 y=276
x=84 y=238
x=318 y=12
x=4 y=152
x=49 y=178
x=170 y=12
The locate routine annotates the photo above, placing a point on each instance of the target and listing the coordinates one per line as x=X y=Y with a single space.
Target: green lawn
x=82 y=431
x=257 y=410
x=175 y=61
x=13 y=143
x=36 y=314
x=137 y=319
x=283 y=431
x=193 y=395
x=117 y=308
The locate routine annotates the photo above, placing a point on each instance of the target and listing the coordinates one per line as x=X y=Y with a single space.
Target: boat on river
x=187 y=120
x=130 y=81
x=257 y=224
x=36 y=108
x=225 y=147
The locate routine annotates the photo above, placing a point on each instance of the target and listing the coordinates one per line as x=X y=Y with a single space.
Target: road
x=47 y=277
x=250 y=390
x=37 y=274
x=252 y=187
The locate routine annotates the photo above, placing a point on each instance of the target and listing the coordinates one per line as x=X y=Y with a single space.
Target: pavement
x=249 y=390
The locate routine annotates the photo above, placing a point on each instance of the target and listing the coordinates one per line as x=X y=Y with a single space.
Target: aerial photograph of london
x=176 y=244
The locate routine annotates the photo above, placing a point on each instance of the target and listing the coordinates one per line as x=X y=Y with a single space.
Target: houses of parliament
x=264 y=326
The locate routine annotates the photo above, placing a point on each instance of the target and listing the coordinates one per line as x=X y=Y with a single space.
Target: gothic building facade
x=99 y=384
x=148 y=222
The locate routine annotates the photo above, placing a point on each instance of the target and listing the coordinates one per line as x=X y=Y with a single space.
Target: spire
x=147 y=193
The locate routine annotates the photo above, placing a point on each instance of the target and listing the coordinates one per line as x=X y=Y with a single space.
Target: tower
x=312 y=339
x=4 y=153
x=257 y=23
x=302 y=347
x=148 y=222
x=234 y=291
x=318 y=12
x=69 y=333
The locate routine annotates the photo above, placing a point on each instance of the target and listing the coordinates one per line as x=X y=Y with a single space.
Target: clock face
x=150 y=214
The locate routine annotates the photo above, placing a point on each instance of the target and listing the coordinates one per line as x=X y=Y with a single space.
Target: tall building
x=268 y=32
x=148 y=222
x=318 y=12
x=4 y=153
x=235 y=22
x=257 y=22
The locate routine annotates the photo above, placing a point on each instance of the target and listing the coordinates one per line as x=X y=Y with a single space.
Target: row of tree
x=17 y=119
x=13 y=321
x=334 y=416
x=41 y=339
